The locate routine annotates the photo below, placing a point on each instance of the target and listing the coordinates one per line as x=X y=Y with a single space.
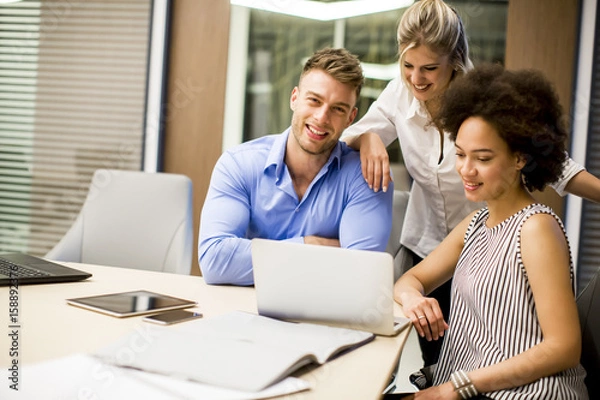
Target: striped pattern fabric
x=493 y=315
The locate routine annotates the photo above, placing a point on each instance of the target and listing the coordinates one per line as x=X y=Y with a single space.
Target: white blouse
x=437 y=202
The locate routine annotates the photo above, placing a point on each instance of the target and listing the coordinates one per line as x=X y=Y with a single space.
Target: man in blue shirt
x=303 y=185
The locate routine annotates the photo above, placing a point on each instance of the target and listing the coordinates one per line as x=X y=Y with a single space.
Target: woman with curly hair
x=513 y=330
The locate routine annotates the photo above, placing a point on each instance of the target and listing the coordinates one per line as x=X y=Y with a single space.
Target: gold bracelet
x=463 y=385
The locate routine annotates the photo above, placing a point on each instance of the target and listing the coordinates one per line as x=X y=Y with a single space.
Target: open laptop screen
x=341 y=287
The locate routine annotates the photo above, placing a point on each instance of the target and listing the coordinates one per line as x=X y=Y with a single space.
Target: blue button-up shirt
x=251 y=195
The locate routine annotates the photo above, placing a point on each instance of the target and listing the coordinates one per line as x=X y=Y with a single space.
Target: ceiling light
x=324 y=11
x=381 y=72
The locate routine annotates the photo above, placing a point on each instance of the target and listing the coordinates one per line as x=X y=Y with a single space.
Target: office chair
x=402 y=260
x=588 y=306
x=135 y=220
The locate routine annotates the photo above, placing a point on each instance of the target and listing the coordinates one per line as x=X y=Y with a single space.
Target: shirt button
x=297 y=209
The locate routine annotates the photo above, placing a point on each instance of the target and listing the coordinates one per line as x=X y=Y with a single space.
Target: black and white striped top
x=493 y=316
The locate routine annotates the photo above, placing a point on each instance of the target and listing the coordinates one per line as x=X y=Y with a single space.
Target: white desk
x=50 y=328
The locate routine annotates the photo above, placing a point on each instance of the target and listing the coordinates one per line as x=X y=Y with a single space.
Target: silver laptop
x=323 y=284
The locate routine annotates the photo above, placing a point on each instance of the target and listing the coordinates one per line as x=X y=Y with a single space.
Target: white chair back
x=135 y=220
x=402 y=260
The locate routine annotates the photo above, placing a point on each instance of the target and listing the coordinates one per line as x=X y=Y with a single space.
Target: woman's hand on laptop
x=321 y=241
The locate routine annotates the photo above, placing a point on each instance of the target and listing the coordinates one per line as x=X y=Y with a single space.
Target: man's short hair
x=340 y=64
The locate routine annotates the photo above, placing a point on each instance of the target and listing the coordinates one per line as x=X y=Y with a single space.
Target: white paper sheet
x=83 y=376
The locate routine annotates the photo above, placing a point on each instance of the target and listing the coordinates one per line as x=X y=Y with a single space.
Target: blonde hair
x=436 y=25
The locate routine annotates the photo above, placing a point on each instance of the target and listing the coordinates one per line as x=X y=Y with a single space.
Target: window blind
x=589 y=247
x=72 y=100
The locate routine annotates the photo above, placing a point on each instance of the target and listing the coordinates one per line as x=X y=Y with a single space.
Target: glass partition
x=278 y=45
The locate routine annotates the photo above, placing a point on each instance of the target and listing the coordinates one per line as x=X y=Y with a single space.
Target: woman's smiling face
x=488 y=168
x=427 y=73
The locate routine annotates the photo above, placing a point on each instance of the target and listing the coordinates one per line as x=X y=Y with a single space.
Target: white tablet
x=128 y=304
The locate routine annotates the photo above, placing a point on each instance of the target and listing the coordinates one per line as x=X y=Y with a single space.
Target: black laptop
x=25 y=270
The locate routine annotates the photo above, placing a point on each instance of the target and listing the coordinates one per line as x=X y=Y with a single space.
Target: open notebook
x=339 y=287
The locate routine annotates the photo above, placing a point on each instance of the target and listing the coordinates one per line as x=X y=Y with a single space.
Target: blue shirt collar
x=277 y=154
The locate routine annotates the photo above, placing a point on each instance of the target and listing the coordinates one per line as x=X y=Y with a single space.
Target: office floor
x=410 y=361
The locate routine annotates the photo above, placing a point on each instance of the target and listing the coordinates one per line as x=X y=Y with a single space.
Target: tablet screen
x=128 y=304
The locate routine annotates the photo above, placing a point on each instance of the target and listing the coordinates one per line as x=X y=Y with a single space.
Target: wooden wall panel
x=195 y=99
x=542 y=34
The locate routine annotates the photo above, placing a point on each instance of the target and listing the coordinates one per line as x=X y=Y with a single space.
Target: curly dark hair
x=524 y=109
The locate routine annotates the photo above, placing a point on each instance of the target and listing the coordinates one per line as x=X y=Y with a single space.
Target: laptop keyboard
x=18 y=271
